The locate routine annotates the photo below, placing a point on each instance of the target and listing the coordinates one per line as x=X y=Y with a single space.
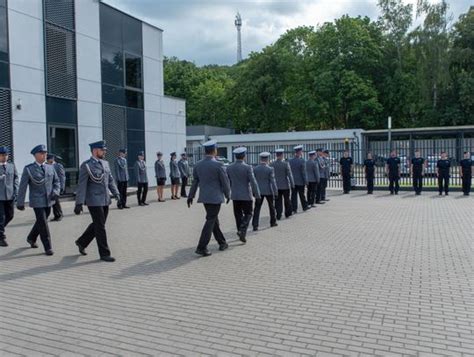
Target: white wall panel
x=89 y=91
x=32 y=108
x=87 y=135
x=152 y=121
x=168 y=123
x=153 y=76
x=89 y=114
x=27 y=135
x=27 y=79
x=152 y=102
x=168 y=105
x=32 y=8
x=88 y=58
x=87 y=18
x=152 y=42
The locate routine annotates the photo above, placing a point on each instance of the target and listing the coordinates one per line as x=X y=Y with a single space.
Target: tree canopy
x=353 y=72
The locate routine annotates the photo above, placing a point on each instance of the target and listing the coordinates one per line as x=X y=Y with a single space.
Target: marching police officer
x=59 y=168
x=417 y=172
x=142 y=179
x=312 y=169
x=265 y=176
x=8 y=192
x=284 y=181
x=465 y=171
x=347 y=165
x=243 y=186
x=160 y=174
x=183 y=166
x=323 y=176
x=44 y=187
x=442 y=169
x=121 y=177
x=369 y=167
x=298 y=169
x=210 y=176
x=174 y=176
x=392 y=169
x=95 y=181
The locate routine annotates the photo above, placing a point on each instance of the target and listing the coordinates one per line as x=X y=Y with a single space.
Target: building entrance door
x=63 y=142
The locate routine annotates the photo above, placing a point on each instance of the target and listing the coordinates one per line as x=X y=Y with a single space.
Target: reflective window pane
x=133 y=71
x=134 y=99
x=135 y=119
x=4 y=75
x=110 y=25
x=3 y=3
x=3 y=35
x=61 y=110
x=113 y=95
x=112 y=65
x=63 y=143
x=132 y=35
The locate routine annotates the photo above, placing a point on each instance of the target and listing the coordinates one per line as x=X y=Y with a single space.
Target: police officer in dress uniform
x=59 y=168
x=465 y=171
x=327 y=168
x=312 y=169
x=44 y=187
x=369 y=167
x=442 y=169
x=347 y=164
x=298 y=169
x=265 y=175
x=417 y=171
x=210 y=176
x=174 y=176
x=8 y=192
x=121 y=177
x=95 y=181
x=160 y=174
x=183 y=166
x=142 y=179
x=392 y=169
x=284 y=181
x=243 y=187
x=322 y=176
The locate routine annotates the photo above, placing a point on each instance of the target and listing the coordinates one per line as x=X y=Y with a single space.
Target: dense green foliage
x=353 y=72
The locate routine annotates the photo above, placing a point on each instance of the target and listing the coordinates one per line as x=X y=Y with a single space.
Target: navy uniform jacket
x=443 y=166
x=183 y=166
x=242 y=181
x=160 y=169
x=209 y=175
x=59 y=168
x=417 y=163
x=140 y=171
x=393 y=165
x=346 y=163
x=283 y=175
x=323 y=172
x=44 y=186
x=265 y=176
x=121 y=169
x=174 y=169
x=8 y=182
x=369 y=167
x=95 y=181
x=466 y=165
x=298 y=169
x=312 y=169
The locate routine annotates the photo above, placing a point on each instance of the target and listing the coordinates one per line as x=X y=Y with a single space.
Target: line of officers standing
x=281 y=183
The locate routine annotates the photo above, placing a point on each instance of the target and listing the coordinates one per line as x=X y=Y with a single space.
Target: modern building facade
x=76 y=71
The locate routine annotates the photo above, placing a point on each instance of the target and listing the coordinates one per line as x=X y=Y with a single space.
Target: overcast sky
x=203 y=31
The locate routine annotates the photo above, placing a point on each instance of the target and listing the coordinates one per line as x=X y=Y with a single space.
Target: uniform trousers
x=466 y=182
x=443 y=182
x=346 y=182
x=211 y=226
x=41 y=228
x=243 y=214
x=122 y=188
x=184 y=183
x=324 y=185
x=417 y=182
x=7 y=209
x=283 y=198
x=142 y=191
x=394 y=183
x=57 y=209
x=258 y=207
x=370 y=182
x=295 y=192
x=96 y=230
x=311 y=192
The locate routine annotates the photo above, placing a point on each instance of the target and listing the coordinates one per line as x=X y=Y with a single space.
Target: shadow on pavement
x=14 y=252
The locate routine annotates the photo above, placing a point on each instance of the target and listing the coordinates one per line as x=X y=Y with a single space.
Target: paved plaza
x=361 y=275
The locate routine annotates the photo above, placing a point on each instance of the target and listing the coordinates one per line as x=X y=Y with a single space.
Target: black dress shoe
x=255 y=229
x=108 y=259
x=145 y=204
x=203 y=252
x=82 y=250
x=49 y=252
x=274 y=225
x=242 y=235
x=3 y=243
x=120 y=207
x=223 y=246
x=126 y=207
x=32 y=244
x=320 y=203
x=57 y=219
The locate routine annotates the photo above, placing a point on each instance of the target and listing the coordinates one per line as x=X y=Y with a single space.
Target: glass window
x=62 y=142
x=61 y=110
x=113 y=95
x=4 y=75
x=134 y=99
x=135 y=119
x=3 y=35
x=132 y=35
x=133 y=71
x=110 y=25
x=137 y=137
x=112 y=65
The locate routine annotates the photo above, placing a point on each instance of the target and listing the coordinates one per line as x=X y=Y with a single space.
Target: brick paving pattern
x=362 y=275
